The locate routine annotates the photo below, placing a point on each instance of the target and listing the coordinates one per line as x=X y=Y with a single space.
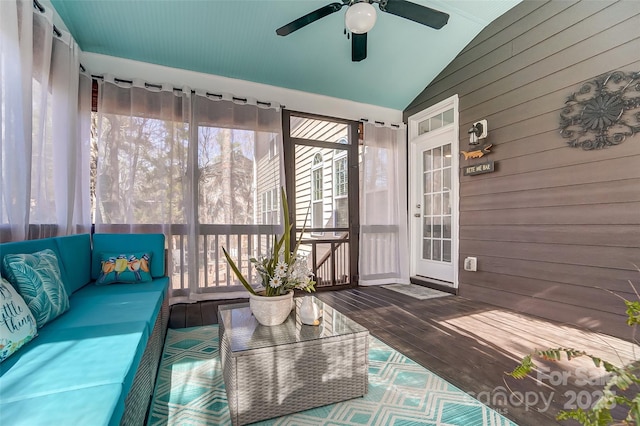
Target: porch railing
x=379 y=252
x=243 y=242
x=328 y=258
x=332 y=259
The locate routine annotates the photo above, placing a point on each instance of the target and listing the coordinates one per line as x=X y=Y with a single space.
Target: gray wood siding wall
x=553 y=227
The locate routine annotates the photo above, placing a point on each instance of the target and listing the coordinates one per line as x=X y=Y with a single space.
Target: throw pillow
x=36 y=276
x=17 y=325
x=124 y=268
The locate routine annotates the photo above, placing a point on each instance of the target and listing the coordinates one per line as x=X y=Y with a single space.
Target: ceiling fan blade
x=309 y=18
x=358 y=47
x=416 y=13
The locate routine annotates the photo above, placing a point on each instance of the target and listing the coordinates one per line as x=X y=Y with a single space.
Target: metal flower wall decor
x=604 y=112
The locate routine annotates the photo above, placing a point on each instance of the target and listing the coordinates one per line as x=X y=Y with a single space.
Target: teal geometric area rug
x=190 y=391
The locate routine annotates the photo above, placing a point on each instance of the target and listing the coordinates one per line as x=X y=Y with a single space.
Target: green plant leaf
x=235 y=269
x=587 y=418
x=523 y=369
x=304 y=227
x=633 y=312
x=287 y=227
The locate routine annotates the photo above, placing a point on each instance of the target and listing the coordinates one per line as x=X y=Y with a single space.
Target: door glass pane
x=446 y=202
x=437 y=158
x=426 y=160
x=437 y=250
x=437 y=227
x=446 y=179
x=436 y=197
x=427 y=205
x=437 y=181
x=427 y=181
x=446 y=226
x=446 y=250
x=427 y=228
x=437 y=204
x=426 y=249
x=446 y=153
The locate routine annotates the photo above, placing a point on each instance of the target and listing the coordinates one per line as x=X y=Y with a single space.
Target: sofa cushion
x=19 y=247
x=17 y=325
x=124 y=268
x=74 y=253
x=74 y=257
x=121 y=303
x=98 y=405
x=110 y=243
x=67 y=359
x=37 y=278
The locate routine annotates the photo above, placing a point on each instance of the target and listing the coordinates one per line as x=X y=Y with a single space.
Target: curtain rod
x=40 y=8
x=382 y=123
x=177 y=89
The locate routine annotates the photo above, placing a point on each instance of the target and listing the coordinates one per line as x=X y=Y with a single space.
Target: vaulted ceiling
x=237 y=39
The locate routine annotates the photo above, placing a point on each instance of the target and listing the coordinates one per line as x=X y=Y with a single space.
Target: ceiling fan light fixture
x=360 y=17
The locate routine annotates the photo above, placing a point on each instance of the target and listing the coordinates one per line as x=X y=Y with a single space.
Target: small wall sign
x=481 y=152
x=477 y=169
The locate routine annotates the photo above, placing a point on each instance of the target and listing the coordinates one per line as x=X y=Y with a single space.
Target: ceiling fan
x=361 y=16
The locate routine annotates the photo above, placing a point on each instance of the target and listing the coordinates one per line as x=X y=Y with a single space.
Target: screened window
x=341 y=190
x=317 y=192
x=341 y=177
x=269 y=206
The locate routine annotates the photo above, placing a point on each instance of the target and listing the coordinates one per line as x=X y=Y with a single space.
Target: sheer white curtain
x=45 y=111
x=384 y=245
x=189 y=165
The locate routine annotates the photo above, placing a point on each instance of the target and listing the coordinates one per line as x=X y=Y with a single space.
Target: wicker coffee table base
x=280 y=380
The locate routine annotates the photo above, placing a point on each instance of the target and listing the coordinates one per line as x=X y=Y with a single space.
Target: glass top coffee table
x=273 y=371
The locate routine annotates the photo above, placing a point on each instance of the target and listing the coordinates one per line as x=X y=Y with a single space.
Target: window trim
x=317 y=169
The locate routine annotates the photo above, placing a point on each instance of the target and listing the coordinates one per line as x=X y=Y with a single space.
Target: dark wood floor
x=470 y=344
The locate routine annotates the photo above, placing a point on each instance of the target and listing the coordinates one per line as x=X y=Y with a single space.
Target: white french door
x=433 y=184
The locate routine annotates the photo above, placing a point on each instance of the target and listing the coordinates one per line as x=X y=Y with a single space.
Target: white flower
x=281 y=268
x=275 y=282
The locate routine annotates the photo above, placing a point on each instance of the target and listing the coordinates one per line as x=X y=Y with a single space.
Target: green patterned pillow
x=18 y=326
x=36 y=276
x=124 y=268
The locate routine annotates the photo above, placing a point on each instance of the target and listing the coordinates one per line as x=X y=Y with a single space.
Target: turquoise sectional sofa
x=96 y=363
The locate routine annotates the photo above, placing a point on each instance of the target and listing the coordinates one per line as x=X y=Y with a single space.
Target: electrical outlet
x=471 y=264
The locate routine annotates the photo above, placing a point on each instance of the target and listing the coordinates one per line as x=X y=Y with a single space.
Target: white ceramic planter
x=272 y=310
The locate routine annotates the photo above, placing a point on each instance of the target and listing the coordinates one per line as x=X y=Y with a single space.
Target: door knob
x=418 y=206
x=416 y=214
